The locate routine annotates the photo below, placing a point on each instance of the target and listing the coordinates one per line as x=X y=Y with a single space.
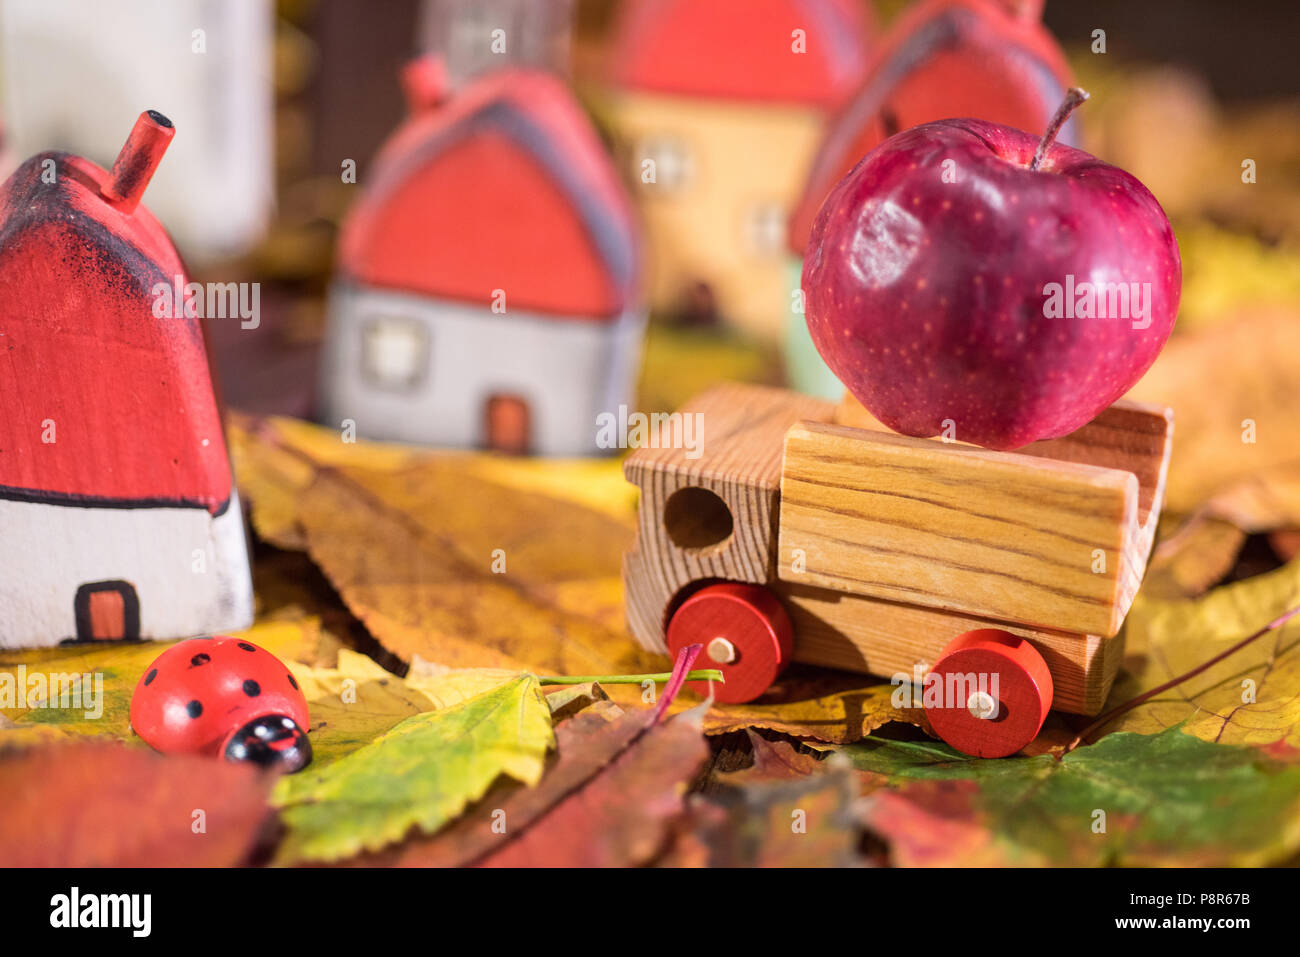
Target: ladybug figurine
x=223 y=696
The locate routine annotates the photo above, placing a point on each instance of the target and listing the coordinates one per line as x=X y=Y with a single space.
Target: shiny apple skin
x=926 y=298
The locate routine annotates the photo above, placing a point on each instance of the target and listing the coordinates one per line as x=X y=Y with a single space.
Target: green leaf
x=1167 y=798
x=422 y=773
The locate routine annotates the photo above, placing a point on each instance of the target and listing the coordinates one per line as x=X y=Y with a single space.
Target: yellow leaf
x=438 y=560
x=1248 y=422
x=114 y=668
x=841 y=717
x=1248 y=698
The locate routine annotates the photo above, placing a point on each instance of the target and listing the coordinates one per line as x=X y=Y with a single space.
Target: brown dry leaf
x=1264 y=501
x=410 y=543
x=774 y=761
x=567 y=700
x=1193 y=559
x=1222 y=381
x=410 y=540
x=108 y=805
x=839 y=717
x=608 y=800
x=786 y=810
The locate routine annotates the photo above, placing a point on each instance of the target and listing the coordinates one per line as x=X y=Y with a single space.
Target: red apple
x=960 y=285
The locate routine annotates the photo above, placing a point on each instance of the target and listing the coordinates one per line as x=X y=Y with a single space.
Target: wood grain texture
x=743 y=426
x=1000 y=535
x=857 y=633
x=741 y=429
x=1130 y=436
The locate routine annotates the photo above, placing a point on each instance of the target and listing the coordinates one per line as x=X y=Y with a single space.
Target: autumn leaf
x=1130 y=799
x=438 y=556
x=608 y=799
x=420 y=774
x=774 y=761
x=567 y=700
x=1193 y=559
x=1240 y=439
x=787 y=809
x=357 y=701
x=839 y=717
x=120 y=665
x=101 y=804
x=1249 y=697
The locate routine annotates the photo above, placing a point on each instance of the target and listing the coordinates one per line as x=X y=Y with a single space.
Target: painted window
x=764 y=228
x=664 y=163
x=395 y=353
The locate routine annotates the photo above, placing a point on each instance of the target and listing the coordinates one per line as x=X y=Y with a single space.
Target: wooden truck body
x=881 y=549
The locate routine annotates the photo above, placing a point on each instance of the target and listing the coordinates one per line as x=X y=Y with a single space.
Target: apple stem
x=1073 y=97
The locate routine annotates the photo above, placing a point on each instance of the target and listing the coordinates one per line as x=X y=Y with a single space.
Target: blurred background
x=699 y=139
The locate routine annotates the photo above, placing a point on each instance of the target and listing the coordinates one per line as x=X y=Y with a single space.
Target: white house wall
x=48 y=551
x=568 y=371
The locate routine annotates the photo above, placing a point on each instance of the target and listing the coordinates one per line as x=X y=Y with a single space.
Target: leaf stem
x=706 y=674
x=1132 y=703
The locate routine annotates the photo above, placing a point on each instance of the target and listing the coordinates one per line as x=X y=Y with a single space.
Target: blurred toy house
x=718 y=107
x=488 y=287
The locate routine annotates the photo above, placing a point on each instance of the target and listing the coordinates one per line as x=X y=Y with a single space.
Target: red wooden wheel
x=992 y=695
x=745 y=632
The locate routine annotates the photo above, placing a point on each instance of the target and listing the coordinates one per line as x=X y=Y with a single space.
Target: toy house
x=988 y=59
x=718 y=108
x=488 y=290
x=118 y=514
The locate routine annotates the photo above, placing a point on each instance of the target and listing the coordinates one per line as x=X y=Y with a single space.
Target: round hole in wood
x=694 y=517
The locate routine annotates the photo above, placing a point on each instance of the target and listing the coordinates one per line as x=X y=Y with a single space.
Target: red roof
x=504 y=186
x=943 y=59
x=742 y=49
x=134 y=417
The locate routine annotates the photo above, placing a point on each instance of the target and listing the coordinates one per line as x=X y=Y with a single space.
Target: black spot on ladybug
x=293 y=683
x=202 y=658
x=194 y=708
x=252 y=688
x=246 y=646
x=153 y=673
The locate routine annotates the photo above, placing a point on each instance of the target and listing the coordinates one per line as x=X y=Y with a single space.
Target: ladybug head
x=270 y=741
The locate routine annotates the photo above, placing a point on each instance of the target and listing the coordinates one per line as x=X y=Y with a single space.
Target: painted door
x=107 y=611
x=509 y=424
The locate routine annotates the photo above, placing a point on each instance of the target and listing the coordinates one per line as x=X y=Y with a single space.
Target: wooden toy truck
x=799 y=530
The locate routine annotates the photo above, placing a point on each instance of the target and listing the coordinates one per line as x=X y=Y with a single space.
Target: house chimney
x=424 y=81
x=140 y=156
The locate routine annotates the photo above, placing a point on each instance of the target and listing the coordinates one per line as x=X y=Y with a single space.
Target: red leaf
x=101 y=805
